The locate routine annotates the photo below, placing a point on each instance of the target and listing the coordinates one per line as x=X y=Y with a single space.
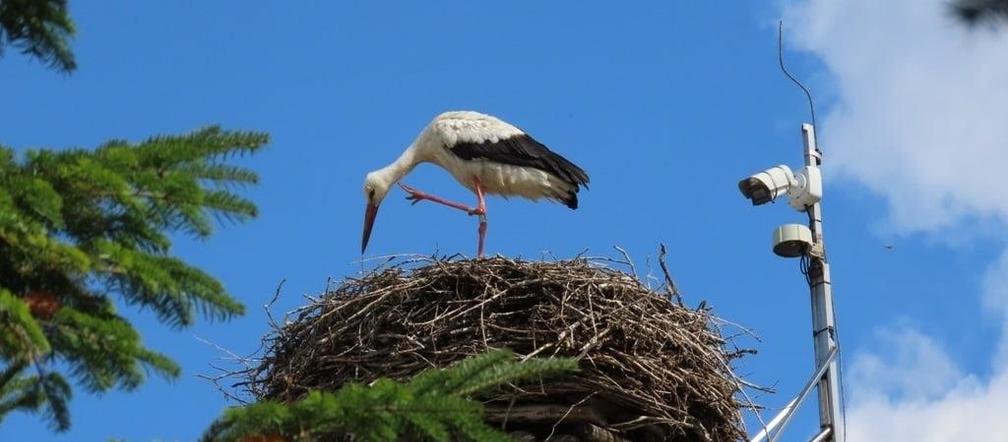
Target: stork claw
x=414 y=195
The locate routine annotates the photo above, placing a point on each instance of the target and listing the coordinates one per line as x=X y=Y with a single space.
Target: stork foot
x=414 y=195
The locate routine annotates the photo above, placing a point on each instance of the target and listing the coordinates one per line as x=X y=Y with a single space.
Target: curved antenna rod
x=780 y=59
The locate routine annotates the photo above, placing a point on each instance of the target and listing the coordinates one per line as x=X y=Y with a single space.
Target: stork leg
x=480 y=210
x=416 y=196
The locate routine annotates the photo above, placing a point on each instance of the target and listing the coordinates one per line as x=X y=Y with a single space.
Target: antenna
x=783 y=68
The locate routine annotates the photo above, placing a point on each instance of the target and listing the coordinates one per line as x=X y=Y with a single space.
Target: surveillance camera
x=803 y=188
x=767 y=185
x=807 y=188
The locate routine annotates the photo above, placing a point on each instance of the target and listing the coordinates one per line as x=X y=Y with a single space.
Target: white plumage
x=484 y=154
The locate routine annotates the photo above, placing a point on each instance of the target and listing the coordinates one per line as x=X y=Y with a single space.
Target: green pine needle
x=39 y=28
x=434 y=405
x=21 y=337
x=80 y=227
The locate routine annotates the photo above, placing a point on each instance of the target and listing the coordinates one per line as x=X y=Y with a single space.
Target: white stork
x=484 y=154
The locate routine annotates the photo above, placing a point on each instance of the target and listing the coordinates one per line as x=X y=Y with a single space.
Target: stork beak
x=369 y=216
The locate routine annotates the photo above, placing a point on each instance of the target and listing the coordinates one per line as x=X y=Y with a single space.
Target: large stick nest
x=650 y=369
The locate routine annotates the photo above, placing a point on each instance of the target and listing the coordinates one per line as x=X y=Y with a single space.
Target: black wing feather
x=524 y=151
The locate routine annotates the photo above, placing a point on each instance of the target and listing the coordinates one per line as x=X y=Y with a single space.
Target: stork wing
x=494 y=140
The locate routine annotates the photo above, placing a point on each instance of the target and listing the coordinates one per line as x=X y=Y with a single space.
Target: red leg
x=416 y=196
x=481 y=211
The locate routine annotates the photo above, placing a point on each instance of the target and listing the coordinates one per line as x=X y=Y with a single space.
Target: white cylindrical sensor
x=792 y=240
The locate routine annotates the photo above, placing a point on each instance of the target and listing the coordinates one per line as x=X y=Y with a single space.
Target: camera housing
x=803 y=188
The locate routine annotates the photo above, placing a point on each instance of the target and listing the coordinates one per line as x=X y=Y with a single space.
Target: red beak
x=369 y=216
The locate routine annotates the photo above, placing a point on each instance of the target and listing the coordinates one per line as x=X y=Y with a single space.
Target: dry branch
x=650 y=369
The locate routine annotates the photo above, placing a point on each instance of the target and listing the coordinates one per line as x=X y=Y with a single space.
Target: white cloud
x=913 y=367
x=921 y=110
x=929 y=406
x=921 y=118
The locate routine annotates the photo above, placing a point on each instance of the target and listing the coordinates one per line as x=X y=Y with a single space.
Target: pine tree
x=434 y=405
x=40 y=28
x=79 y=227
x=974 y=12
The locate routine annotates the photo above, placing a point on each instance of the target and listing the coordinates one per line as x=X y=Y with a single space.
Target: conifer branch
x=39 y=28
x=435 y=405
x=79 y=226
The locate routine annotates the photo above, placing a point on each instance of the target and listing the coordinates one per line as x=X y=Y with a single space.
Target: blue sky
x=666 y=106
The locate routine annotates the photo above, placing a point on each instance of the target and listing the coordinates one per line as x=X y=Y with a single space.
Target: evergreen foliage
x=39 y=28
x=974 y=12
x=434 y=405
x=80 y=226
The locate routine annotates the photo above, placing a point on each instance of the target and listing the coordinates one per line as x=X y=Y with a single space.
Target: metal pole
x=776 y=421
x=823 y=319
x=801 y=397
x=821 y=437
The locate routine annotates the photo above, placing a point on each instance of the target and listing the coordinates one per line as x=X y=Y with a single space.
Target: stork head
x=376 y=186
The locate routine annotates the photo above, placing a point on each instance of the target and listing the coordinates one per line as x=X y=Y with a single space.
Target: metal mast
x=804 y=190
x=824 y=331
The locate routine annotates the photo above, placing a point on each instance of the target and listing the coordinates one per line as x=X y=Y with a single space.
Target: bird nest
x=650 y=369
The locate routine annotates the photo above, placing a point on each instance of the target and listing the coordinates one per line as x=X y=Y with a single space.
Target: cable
x=780 y=59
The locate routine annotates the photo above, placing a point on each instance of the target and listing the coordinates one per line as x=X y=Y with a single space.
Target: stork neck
x=402 y=165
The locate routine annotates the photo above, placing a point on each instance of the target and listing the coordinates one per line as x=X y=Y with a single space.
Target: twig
x=268 y=307
x=670 y=285
x=225 y=374
x=629 y=261
x=572 y=407
x=643 y=354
